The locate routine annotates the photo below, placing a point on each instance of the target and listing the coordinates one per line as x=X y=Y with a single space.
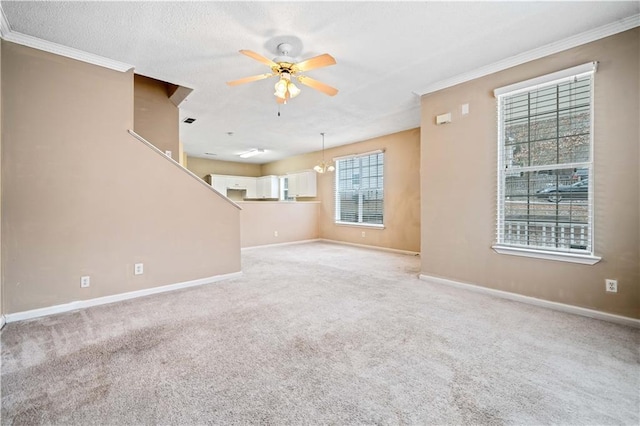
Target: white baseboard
x=576 y=310
x=81 y=304
x=280 y=244
x=411 y=253
x=324 y=240
x=3 y=321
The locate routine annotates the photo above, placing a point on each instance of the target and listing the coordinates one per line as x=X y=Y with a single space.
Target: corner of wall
x=156 y=117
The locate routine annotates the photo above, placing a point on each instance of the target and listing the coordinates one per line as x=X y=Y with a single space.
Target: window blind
x=359 y=192
x=545 y=167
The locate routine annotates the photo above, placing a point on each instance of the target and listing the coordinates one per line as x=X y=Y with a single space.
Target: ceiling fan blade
x=316 y=62
x=250 y=79
x=315 y=84
x=259 y=58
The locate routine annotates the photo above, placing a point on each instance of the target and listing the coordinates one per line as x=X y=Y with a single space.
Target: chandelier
x=324 y=166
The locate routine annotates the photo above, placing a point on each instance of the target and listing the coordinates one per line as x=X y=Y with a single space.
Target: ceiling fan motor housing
x=283 y=54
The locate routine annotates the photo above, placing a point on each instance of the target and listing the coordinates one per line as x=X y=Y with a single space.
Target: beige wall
x=293 y=221
x=458 y=168
x=80 y=196
x=182 y=159
x=155 y=116
x=401 y=191
x=203 y=166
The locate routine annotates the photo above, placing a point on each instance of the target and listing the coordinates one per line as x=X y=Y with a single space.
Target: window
x=359 y=190
x=284 y=189
x=545 y=166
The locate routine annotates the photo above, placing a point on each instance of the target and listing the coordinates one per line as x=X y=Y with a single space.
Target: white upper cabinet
x=302 y=184
x=219 y=183
x=243 y=183
x=267 y=187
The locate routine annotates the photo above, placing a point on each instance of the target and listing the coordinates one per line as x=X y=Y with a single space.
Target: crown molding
x=69 y=52
x=549 y=49
x=4 y=23
x=26 y=40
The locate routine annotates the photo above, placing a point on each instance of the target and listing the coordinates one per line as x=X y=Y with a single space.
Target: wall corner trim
x=540 y=52
x=82 y=304
x=556 y=306
x=36 y=43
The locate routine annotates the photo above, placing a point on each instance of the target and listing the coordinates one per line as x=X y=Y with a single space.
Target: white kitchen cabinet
x=248 y=184
x=267 y=187
x=219 y=183
x=241 y=183
x=302 y=184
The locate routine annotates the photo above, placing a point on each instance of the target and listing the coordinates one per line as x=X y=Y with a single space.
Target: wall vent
x=188 y=120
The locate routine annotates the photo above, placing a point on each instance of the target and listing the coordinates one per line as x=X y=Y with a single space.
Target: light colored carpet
x=320 y=334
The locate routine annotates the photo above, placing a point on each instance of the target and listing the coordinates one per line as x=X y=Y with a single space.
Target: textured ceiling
x=385 y=52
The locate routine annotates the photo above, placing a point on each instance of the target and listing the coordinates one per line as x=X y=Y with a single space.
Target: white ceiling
x=385 y=52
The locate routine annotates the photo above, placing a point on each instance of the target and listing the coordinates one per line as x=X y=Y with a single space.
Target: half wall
x=82 y=197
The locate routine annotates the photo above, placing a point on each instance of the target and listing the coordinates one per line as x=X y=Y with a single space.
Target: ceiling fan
x=285 y=67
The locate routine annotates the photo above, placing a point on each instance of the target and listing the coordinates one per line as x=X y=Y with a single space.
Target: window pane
x=546 y=130
x=359 y=189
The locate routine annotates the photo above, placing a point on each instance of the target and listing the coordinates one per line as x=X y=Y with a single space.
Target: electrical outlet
x=138 y=269
x=611 y=285
x=275 y=233
x=363 y=234
x=85 y=281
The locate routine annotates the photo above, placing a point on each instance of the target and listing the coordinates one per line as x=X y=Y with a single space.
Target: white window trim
x=355 y=224
x=547 y=80
x=361 y=224
x=584 y=259
x=364 y=154
x=528 y=85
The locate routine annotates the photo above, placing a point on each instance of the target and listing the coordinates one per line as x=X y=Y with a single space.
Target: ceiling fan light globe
x=281 y=88
x=293 y=90
x=330 y=168
x=318 y=169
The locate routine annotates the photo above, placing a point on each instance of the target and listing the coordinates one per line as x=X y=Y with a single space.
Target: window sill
x=360 y=225
x=584 y=259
